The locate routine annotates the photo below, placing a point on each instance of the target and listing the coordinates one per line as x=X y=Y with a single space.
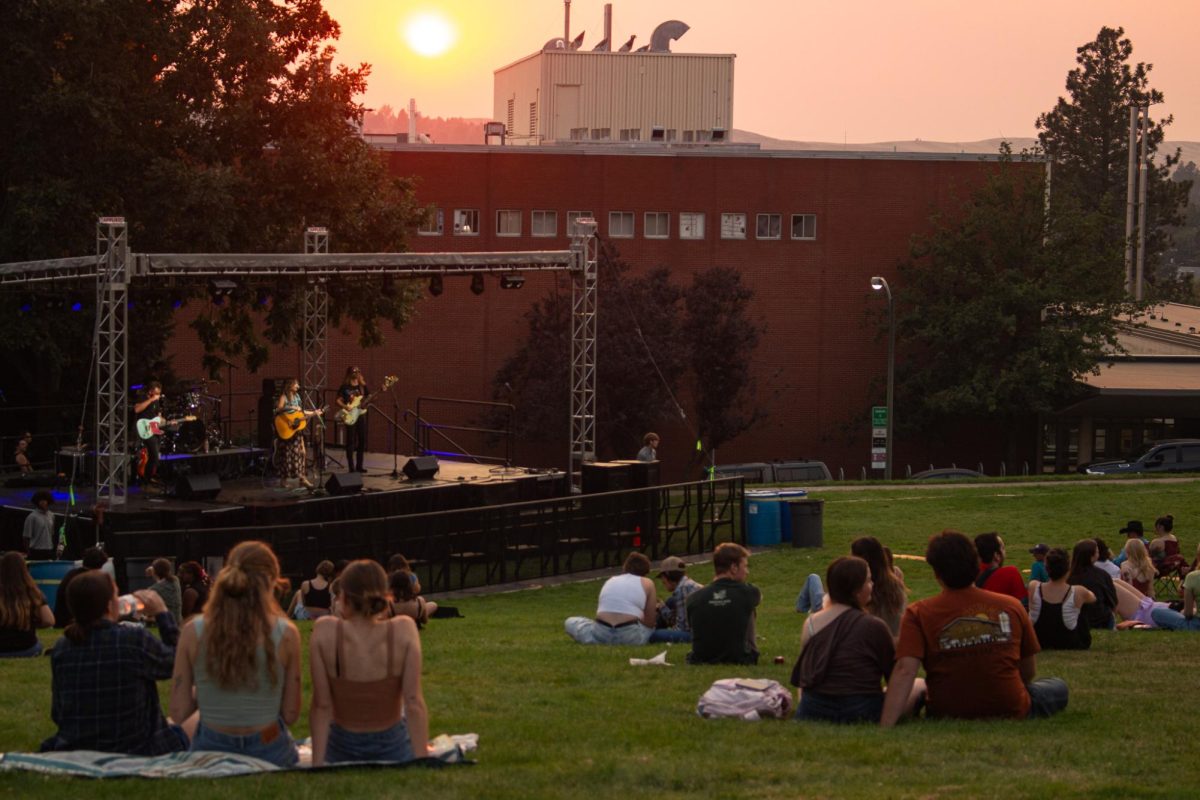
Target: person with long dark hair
x=888 y=596
x=846 y=653
x=352 y=399
x=239 y=663
x=367 y=703
x=193 y=581
x=1056 y=607
x=104 y=693
x=289 y=453
x=1164 y=542
x=22 y=609
x=1085 y=573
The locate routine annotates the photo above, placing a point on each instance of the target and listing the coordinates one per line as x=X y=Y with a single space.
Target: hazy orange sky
x=811 y=70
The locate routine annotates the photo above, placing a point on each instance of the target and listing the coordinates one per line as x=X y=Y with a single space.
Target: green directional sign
x=878 y=416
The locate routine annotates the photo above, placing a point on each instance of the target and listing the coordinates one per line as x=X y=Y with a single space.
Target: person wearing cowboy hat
x=1131 y=531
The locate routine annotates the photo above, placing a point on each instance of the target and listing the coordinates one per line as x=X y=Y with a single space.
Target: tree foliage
x=1087 y=137
x=212 y=126
x=1003 y=306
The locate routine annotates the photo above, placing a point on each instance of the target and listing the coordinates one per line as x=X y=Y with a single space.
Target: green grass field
x=559 y=720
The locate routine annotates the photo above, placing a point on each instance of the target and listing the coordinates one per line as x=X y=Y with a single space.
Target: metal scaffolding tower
x=585 y=249
x=315 y=372
x=112 y=361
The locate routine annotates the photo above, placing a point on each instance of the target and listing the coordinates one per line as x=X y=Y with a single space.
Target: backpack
x=745 y=698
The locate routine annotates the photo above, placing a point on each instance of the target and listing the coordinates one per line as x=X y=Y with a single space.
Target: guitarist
x=149 y=407
x=290 y=452
x=353 y=393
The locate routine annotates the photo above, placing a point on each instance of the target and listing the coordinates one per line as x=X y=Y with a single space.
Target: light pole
x=878 y=283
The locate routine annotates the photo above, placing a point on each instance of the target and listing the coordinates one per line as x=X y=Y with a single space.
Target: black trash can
x=807 y=525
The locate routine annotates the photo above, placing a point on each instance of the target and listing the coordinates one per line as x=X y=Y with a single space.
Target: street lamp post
x=878 y=283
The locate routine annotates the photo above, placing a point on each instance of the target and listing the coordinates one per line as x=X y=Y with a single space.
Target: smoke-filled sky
x=811 y=70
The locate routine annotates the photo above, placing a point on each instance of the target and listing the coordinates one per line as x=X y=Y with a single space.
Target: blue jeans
x=671 y=636
x=391 y=744
x=589 y=631
x=1172 y=620
x=36 y=650
x=280 y=750
x=843 y=708
x=1047 y=696
x=812 y=596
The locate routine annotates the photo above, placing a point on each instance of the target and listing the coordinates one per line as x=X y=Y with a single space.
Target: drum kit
x=202 y=435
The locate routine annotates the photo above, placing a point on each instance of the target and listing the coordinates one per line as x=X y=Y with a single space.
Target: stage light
x=220 y=289
x=26 y=308
x=77 y=306
x=477 y=284
x=435 y=285
x=177 y=302
x=512 y=281
x=264 y=297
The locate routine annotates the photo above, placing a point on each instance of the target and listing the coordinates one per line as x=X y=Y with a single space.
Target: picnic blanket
x=90 y=764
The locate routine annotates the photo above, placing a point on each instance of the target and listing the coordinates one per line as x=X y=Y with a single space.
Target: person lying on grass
x=978 y=647
x=626 y=610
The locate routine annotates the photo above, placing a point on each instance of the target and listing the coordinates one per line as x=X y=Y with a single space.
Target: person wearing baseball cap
x=1037 y=572
x=672 y=622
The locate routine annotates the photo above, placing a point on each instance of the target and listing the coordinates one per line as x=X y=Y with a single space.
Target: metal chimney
x=412 y=120
x=608 y=22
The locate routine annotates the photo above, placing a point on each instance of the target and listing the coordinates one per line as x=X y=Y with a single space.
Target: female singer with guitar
x=352 y=412
x=290 y=420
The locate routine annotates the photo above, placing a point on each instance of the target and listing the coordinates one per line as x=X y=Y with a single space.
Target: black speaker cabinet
x=344 y=483
x=642 y=473
x=606 y=476
x=198 y=487
x=421 y=468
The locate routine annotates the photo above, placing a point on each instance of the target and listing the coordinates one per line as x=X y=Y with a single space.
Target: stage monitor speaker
x=421 y=468
x=198 y=487
x=344 y=483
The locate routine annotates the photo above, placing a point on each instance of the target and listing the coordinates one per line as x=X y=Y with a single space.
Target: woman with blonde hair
x=22 y=609
x=239 y=663
x=366 y=706
x=1137 y=569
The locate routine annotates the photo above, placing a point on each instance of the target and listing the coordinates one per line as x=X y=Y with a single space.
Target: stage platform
x=254 y=499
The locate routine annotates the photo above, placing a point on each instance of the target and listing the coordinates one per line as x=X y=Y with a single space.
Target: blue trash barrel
x=785 y=513
x=762 y=516
x=47 y=575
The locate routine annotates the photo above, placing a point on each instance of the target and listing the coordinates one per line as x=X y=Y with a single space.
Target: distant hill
x=1190 y=151
x=452 y=130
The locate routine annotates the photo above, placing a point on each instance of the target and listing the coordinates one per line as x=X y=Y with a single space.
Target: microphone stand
x=395 y=427
x=318 y=431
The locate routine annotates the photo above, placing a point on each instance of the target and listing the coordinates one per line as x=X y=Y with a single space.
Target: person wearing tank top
x=626 y=611
x=239 y=663
x=367 y=703
x=1055 y=607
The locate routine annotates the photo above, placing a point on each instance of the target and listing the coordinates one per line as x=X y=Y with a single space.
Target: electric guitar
x=349 y=414
x=149 y=428
x=289 y=423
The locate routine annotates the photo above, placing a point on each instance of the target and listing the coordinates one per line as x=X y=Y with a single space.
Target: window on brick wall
x=466 y=222
x=572 y=218
x=434 y=224
x=656 y=225
x=631 y=134
x=733 y=226
x=544 y=223
x=508 y=222
x=579 y=134
x=601 y=134
x=620 y=224
x=804 y=226
x=691 y=225
x=768 y=226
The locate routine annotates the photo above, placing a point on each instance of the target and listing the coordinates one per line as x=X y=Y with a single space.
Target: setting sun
x=429 y=34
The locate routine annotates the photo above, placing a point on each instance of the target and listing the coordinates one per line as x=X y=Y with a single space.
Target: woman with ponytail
x=366 y=677
x=22 y=609
x=104 y=694
x=239 y=663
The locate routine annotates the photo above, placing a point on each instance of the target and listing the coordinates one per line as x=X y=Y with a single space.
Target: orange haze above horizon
x=821 y=71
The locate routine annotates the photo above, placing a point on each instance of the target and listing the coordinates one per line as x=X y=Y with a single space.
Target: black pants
x=152 y=448
x=356 y=444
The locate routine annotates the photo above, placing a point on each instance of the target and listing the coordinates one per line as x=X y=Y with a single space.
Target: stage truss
x=114 y=268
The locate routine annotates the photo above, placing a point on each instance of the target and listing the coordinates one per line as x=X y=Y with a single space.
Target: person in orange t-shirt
x=978 y=647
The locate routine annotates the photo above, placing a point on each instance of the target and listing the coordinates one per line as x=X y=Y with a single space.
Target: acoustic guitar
x=154 y=426
x=348 y=415
x=289 y=423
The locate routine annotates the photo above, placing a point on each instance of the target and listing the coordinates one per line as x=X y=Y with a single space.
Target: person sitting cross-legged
x=978 y=647
x=625 y=612
x=672 y=622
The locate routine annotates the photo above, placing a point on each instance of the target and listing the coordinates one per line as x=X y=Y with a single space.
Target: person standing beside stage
x=149 y=407
x=649 y=451
x=290 y=453
x=352 y=396
x=38 y=533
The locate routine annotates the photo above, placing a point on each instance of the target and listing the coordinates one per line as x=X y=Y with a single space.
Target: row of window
x=621 y=224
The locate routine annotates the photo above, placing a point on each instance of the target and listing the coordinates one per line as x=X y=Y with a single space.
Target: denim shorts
x=846 y=708
x=391 y=744
x=280 y=750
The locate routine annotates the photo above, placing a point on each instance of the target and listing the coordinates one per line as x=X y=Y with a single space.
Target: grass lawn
x=559 y=720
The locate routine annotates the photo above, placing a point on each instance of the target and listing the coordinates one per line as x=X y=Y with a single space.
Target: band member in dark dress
x=149 y=407
x=352 y=404
x=290 y=453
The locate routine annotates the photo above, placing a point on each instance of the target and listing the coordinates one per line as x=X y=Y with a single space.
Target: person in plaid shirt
x=104 y=695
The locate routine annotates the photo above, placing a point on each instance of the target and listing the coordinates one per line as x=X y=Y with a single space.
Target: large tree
x=1003 y=307
x=212 y=126
x=1087 y=136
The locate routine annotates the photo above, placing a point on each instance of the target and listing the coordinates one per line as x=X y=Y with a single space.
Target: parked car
x=777 y=471
x=1169 y=455
x=947 y=474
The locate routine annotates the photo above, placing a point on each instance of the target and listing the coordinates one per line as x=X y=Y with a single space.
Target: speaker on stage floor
x=198 y=487
x=344 y=483
x=421 y=468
